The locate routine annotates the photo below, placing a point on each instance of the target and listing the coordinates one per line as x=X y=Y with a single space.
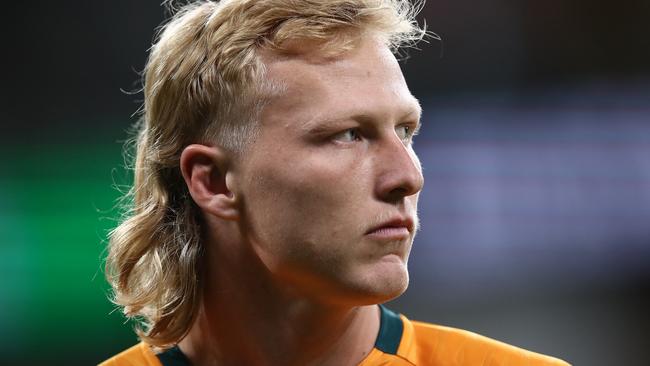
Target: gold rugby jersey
x=400 y=342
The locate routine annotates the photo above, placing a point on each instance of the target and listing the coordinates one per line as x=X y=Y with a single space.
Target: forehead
x=365 y=80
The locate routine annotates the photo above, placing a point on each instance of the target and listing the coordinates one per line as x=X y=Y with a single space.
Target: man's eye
x=404 y=132
x=348 y=135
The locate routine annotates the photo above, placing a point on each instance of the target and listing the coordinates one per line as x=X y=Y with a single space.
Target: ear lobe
x=206 y=174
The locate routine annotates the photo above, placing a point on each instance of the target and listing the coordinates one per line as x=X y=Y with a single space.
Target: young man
x=275 y=193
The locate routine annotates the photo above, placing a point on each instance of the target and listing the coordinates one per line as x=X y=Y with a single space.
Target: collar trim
x=390 y=331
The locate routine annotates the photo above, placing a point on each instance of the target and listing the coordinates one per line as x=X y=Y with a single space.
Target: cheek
x=302 y=189
x=304 y=202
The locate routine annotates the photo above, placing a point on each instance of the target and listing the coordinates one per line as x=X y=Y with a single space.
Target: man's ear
x=205 y=169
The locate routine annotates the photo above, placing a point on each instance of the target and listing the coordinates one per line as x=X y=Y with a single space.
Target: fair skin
x=312 y=224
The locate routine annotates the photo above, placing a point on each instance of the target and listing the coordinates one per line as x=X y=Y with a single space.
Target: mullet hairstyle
x=204 y=82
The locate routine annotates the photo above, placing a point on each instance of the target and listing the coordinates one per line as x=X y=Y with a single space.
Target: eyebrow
x=321 y=126
x=418 y=107
x=418 y=111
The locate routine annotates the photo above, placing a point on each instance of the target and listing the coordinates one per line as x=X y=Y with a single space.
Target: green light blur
x=57 y=206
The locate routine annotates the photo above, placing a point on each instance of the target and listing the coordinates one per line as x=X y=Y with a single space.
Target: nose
x=399 y=171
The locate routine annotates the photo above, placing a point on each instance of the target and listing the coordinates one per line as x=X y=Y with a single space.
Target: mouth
x=393 y=229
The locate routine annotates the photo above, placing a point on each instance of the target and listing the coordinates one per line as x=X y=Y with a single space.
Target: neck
x=247 y=317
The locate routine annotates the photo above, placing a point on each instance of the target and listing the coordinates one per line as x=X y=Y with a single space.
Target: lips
x=397 y=226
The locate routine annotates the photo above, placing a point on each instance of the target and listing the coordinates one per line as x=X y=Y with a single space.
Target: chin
x=394 y=287
x=383 y=283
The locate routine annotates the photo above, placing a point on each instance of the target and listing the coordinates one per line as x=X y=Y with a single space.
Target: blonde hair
x=205 y=82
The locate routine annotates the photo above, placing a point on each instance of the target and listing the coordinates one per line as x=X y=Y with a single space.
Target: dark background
x=535 y=145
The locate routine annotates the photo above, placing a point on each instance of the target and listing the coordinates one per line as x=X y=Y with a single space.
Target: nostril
x=398 y=193
x=402 y=191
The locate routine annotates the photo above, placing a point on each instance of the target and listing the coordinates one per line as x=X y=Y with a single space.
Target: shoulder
x=138 y=355
x=435 y=344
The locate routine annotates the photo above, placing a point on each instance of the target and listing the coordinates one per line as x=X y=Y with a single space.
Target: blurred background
x=535 y=146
